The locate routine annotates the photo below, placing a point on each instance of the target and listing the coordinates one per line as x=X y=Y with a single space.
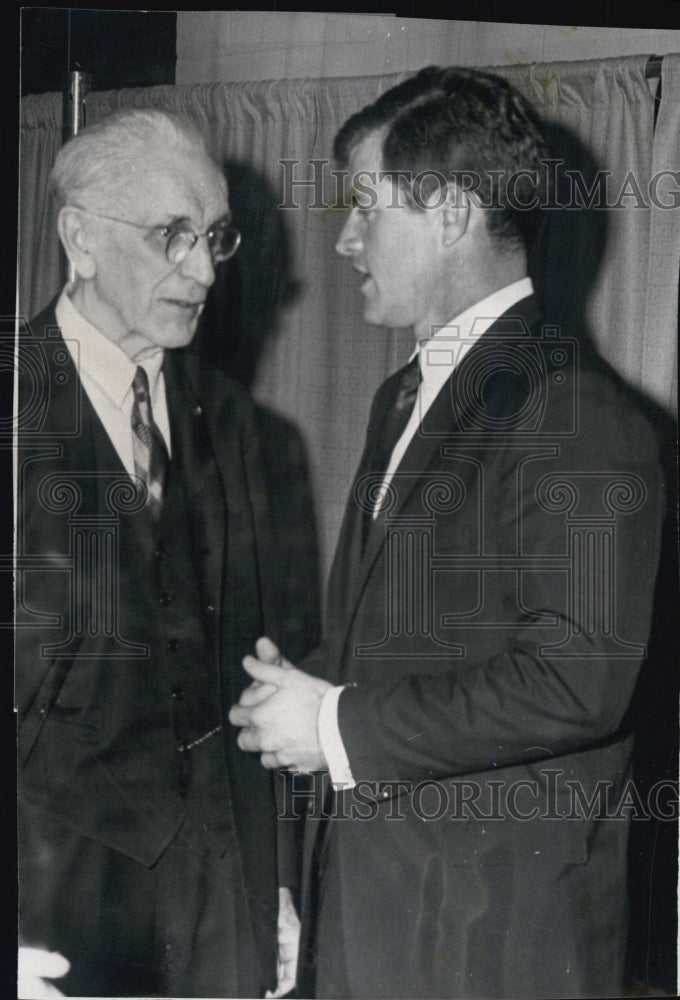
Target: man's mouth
x=186 y=304
x=365 y=276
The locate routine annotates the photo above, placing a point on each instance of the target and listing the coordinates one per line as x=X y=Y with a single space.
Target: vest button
x=178 y=694
x=210 y=608
x=173 y=645
x=165 y=599
x=197 y=411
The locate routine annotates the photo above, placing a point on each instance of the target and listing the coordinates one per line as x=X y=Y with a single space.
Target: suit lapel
x=347 y=567
x=64 y=454
x=348 y=564
x=78 y=442
x=193 y=459
x=450 y=414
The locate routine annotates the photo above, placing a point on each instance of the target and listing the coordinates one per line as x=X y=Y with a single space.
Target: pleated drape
x=39 y=263
x=658 y=350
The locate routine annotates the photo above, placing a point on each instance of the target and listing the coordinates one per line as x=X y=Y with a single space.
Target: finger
x=35 y=963
x=268 y=651
x=283 y=987
x=286 y=980
x=265 y=672
x=256 y=693
x=288 y=952
x=272 y=761
x=38 y=962
x=249 y=740
x=241 y=715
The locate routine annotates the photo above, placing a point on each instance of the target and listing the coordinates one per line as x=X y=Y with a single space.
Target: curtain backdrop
x=659 y=341
x=286 y=314
x=39 y=261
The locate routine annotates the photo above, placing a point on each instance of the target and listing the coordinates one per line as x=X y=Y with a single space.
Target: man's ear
x=455 y=214
x=78 y=240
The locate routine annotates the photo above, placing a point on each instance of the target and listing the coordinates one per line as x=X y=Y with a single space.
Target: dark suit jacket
x=490 y=637
x=96 y=748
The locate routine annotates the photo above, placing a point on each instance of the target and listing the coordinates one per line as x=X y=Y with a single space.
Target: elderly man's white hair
x=93 y=169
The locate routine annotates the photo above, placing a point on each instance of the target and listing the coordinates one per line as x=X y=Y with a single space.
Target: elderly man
x=489 y=600
x=148 y=853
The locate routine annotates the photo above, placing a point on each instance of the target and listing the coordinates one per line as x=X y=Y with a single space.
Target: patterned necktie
x=393 y=426
x=150 y=453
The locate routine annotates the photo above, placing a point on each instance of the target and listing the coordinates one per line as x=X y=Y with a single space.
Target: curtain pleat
x=40 y=270
x=591 y=263
x=285 y=315
x=658 y=342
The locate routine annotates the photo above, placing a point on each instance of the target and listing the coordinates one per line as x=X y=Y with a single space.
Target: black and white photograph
x=345 y=531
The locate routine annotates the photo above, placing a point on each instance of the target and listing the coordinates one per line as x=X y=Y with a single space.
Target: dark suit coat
x=117 y=783
x=491 y=647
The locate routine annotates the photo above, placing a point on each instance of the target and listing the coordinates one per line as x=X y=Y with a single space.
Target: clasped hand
x=278 y=712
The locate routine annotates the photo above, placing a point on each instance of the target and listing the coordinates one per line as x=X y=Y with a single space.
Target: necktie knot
x=140 y=385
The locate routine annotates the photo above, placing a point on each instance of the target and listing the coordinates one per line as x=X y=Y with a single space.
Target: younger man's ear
x=455 y=214
x=77 y=237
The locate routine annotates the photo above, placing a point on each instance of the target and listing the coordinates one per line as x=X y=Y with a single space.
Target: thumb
x=268 y=651
x=266 y=673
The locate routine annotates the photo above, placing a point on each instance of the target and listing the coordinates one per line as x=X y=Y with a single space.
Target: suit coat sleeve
x=512 y=707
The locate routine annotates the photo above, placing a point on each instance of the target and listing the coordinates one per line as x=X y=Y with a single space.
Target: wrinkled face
x=136 y=297
x=392 y=245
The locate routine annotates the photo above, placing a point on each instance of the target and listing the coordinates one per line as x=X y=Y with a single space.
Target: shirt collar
x=99 y=358
x=440 y=353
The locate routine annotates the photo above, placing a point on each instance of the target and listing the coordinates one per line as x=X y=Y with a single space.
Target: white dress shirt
x=438 y=356
x=106 y=374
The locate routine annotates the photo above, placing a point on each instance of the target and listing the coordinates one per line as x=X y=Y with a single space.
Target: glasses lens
x=179 y=245
x=224 y=242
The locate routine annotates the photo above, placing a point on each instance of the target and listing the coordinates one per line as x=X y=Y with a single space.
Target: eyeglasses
x=180 y=239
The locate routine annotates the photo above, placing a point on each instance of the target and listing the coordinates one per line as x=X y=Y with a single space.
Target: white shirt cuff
x=331 y=741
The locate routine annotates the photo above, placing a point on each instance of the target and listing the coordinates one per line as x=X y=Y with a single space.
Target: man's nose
x=198 y=263
x=349 y=241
